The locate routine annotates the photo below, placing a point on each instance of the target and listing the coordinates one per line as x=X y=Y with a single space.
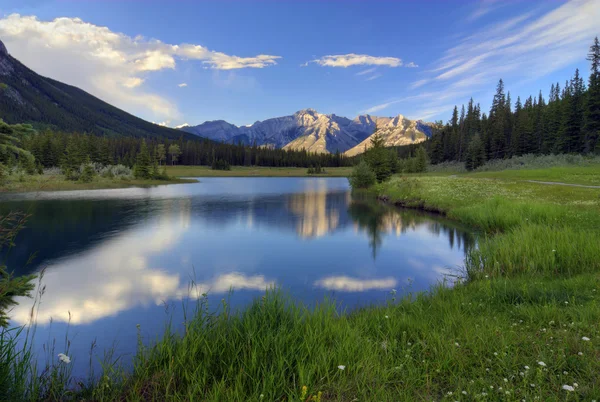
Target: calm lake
x=117 y=258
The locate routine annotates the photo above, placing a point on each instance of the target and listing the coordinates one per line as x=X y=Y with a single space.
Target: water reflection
x=108 y=254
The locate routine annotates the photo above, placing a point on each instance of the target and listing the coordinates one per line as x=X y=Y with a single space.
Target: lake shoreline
x=34 y=184
x=254 y=171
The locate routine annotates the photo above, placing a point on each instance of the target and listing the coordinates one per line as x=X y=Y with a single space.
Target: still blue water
x=117 y=258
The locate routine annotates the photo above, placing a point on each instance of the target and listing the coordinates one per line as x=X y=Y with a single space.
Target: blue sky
x=243 y=61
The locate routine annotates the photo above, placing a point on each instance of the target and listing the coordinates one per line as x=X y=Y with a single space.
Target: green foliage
x=362 y=176
x=11 y=137
x=142 y=169
x=315 y=170
x=87 y=172
x=220 y=164
x=175 y=152
x=475 y=153
x=10 y=286
x=161 y=153
x=3 y=173
x=378 y=158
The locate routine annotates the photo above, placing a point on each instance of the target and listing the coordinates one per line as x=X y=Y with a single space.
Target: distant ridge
x=315 y=132
x=27 y=97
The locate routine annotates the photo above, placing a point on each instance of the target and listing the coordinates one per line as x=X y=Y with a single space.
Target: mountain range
x=27 y=97
x=316 y=132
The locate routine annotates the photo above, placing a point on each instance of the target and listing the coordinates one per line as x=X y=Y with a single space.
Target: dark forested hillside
x=567 y=121
x=26 y=97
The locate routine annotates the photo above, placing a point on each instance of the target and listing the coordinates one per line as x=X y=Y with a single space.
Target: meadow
x=520 y=324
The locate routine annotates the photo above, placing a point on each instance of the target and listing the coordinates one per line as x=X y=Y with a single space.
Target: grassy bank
x=253 y=171
x=28 y=183
x=523 y=326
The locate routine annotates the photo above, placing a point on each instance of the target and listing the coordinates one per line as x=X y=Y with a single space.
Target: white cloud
x=367 y=71
x=518 y=49
x=348 y=284
x=348 y=60
x=411 y=65
x=108 y=64
x=182 y=125
x=182 y=85
x=133 y=82
x=163 y=123
x=373 y=77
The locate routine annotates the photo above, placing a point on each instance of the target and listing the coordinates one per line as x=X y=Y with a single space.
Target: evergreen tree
x=571 y=128
x=421 y=161
x=72 y=159
x=497 y=122
x=161 y=153
x=142 y=163
x=377 y=157
x=592 y=107
x=175 y=152
x=475 y=153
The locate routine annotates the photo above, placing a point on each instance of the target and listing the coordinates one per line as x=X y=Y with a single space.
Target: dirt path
x=561 y=184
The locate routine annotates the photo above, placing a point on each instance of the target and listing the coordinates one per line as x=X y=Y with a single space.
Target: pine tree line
x=59 y=149
x=567 y=122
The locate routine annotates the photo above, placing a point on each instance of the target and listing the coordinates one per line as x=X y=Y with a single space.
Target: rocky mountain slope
x=397 y=131
x=27 y=97
x=315 y=132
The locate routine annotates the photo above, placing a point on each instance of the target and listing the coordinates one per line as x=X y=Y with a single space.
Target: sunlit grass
x=26 y=183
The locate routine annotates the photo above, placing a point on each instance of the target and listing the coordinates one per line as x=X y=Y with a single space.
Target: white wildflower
x=580 y=353
x=464 y=392
x=568 y=388
x=542 y=364
x=526 y=367
x=456 y=344
x=585 y=338
x=575 y=384
x=342 y=367
x=64 y=358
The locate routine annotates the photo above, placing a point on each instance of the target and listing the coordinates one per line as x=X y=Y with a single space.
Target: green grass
x=530 y=296
x=28 y=183
x=254 y=171
x=588 y=175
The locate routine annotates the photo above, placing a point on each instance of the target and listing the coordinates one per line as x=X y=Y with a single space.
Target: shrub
x=220 y=165
x=362 y=176
x=87 y=173
x=3 y=173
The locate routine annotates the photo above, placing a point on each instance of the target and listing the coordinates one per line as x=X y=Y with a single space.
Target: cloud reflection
x=348 y=284
x=119 y=275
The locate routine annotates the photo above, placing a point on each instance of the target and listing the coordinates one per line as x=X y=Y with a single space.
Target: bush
x=87 y=173
x=316 y=170
x=362 y=176
x=118 y=171
x=3 y=173
x=220 y=165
